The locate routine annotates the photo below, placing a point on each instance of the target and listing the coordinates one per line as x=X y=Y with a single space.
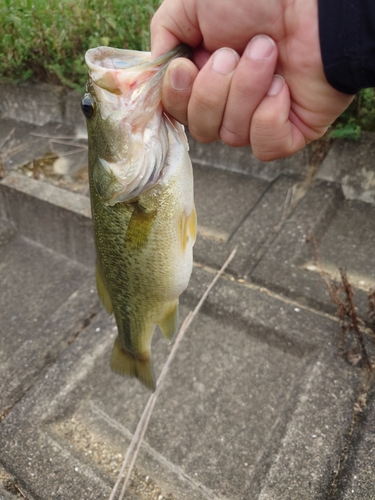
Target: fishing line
x=134 y=447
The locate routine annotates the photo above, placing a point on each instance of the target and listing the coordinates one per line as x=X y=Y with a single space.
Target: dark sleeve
x=347 y=41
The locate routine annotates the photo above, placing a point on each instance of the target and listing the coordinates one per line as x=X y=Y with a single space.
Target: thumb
x=171 y=25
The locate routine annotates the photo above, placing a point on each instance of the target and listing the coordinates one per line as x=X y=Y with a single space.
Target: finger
x=250 y=83
x=177 y=87
x=273 y=134
x=171 y=25
x=200 y=57
x=210 y=91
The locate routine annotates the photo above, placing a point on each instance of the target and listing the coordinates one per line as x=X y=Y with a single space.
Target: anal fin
x=169 y=323
x=102 y=291
x=128 y=364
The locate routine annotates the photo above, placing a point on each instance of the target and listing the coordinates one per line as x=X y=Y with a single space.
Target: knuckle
x=244 y=87
x=233 y=138
x=202 y=135
x=267 y=118
x=154 y=24
x=204 y=101
x=269 y=148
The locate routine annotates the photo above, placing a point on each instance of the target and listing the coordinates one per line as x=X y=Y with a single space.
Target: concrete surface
x=41 y=103
x=262 y=401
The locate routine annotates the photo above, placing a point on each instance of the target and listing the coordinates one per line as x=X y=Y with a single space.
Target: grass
x=360 y=115
x=45 y=41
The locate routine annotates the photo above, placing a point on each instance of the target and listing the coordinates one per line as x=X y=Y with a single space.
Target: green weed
x=360 y=115
x=45 y=40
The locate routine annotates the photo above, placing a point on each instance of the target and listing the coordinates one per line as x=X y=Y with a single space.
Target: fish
x=142 y=201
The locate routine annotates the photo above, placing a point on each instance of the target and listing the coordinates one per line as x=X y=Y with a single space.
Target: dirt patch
x=109 y=460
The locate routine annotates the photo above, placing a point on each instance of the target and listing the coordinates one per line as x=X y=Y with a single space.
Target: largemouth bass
x=141 y=189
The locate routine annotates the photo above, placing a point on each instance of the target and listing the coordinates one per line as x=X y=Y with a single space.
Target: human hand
x=230 y=91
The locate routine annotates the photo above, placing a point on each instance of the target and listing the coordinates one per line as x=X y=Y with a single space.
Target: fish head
x=126 y=129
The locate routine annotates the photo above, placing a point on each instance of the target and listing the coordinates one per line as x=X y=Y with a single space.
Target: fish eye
x=87 y=106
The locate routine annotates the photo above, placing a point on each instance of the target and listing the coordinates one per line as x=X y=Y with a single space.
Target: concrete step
x=258 y=403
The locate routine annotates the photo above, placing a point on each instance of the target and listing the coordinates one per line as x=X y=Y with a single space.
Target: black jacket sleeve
x=347 y=41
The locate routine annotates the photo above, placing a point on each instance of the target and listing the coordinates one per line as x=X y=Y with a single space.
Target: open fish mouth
x=127 y=79
x=111 y=58
x=105 y=63
x=124 y=92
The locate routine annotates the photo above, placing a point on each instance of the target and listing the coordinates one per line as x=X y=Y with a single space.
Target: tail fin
x=125 y=363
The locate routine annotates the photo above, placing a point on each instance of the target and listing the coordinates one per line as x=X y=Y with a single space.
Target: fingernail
x=276 y=85
x=260 y=47
x=180 y=77
x=224 y=61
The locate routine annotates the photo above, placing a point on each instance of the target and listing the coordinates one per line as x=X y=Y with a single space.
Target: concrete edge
x=51 y=216
x=40 y=103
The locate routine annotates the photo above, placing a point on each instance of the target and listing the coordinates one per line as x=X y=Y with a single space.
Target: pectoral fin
x=128 y=364
x=139 y=228
x=102 y=291
x=188 y=228
x=170 y=322
x=193 y=225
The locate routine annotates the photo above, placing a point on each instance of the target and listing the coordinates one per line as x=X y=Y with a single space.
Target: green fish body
x=141 y=189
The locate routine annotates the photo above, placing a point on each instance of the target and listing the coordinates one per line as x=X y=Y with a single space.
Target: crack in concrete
x=83 y=324
x=359 y=407
x=11 y=485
